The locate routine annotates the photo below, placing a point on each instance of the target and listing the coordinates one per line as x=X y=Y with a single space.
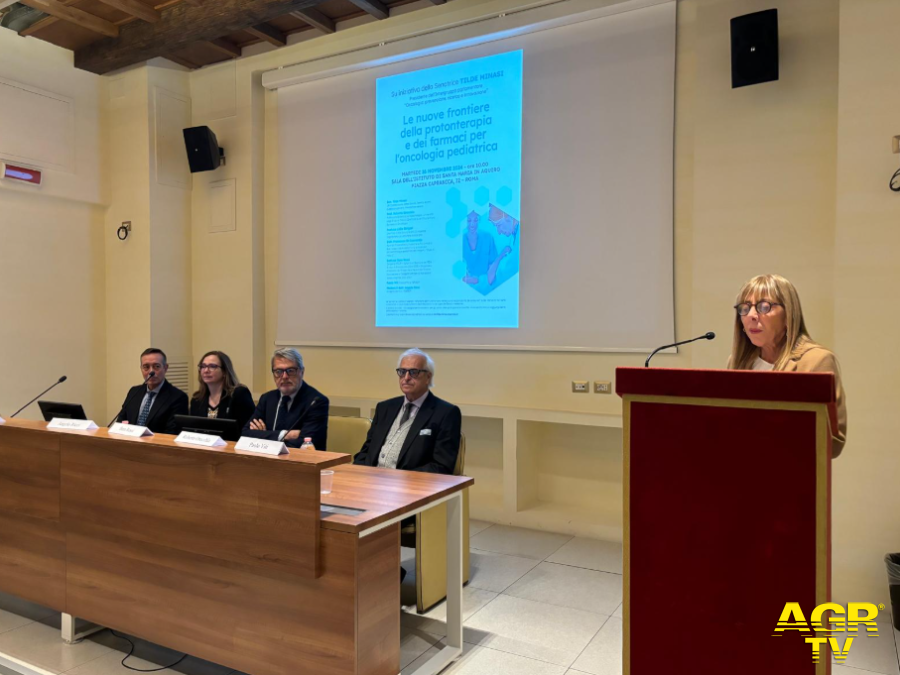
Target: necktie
x=407 y=410
x=281 y=415
x=145 y=409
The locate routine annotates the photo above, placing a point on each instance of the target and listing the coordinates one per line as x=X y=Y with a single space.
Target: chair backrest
x=347 y=434
x=461 y=457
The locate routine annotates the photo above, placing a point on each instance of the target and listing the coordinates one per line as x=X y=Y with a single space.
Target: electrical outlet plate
x=580 y=386
x=602 y=387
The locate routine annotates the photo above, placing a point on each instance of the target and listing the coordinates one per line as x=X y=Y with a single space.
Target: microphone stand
x=59 y=381
x=706 y=336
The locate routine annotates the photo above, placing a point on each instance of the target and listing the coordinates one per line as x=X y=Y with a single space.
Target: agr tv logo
x=857 y=614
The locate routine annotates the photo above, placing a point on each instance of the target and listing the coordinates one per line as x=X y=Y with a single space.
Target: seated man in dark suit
x=293 y=411
x=154 y=403
x=416 y=431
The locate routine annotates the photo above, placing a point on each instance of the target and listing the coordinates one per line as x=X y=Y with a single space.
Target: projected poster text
x=448 y=178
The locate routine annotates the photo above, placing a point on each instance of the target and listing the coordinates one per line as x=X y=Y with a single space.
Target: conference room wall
x=148 y=277
x=227 y=225
x=51 y=302
x=51 y=250
x=867 y=276
x=128 y=315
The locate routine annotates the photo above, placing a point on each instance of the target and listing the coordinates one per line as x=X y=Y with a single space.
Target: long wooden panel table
x=225 y=555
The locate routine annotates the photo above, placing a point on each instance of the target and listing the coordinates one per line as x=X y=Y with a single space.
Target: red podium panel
x=727 y=518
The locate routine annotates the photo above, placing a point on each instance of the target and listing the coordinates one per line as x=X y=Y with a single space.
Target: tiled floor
x=537 y=604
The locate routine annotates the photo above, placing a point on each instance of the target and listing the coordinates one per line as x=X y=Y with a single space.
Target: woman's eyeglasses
x=762 y=307
x=208 y=366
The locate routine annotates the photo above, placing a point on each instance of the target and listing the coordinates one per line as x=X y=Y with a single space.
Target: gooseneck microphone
x=706 y=336
x=128 y=398
x=59 y=381
x=314 y=401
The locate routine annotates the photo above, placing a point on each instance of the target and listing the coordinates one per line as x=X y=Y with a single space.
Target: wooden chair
x=429 y=537
x=347 y=434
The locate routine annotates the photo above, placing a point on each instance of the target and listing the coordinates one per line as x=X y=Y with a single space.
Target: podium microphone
x=59 y=381
x=706 y=336
x=127 y=399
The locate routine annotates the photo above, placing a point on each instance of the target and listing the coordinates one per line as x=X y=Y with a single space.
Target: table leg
x=454 y=640
x=69 y=635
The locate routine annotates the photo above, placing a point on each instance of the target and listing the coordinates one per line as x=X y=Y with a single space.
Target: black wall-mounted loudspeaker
x=754 y=48
x=203 y=151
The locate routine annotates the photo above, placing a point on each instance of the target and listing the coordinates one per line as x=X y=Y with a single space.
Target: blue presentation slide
x=448 y=179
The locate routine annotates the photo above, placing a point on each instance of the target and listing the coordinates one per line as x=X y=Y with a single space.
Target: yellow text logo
x=826 y=620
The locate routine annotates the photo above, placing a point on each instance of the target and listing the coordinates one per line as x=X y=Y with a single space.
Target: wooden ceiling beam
x=74 y=15
x=174 y=58
x=224 y=46
x=316 y=19
x=374 y=7
x=135 y=8
x=37 y=25
x=180 y=26
x=268 y=33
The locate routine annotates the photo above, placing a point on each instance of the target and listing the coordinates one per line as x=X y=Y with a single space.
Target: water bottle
x=307 y=444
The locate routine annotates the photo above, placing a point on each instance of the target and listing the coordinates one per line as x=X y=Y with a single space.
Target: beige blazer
x=813 y=358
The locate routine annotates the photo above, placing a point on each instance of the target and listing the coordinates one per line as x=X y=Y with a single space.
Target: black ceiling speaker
x=203 y=151
x=754 y=48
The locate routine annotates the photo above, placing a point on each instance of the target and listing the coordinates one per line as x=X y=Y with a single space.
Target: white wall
x=51 y=252
x=866 y=279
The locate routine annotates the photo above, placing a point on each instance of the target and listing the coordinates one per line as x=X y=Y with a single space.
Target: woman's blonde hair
x=774 y=288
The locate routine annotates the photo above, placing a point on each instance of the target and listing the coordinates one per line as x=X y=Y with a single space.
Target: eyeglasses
x=413 y=372
x=208 y=366
x=762 y=307
x=147 y=367
x=280 y=372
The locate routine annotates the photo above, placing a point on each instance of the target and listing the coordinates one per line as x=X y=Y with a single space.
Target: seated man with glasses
x=294 y=410
x=155 y=402
x=416 y=431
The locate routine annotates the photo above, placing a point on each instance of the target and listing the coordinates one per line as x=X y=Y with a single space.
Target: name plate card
x=132 y=430
x=261 y=446
x=206 y=440
x=72 y=425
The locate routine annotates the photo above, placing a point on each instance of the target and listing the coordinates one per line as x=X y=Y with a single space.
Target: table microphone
x=59 y=381
x=706 y=336
x=314 y=401
x=127 y=399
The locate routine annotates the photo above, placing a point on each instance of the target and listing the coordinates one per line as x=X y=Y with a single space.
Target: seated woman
x=480 y=253
x=770 y=334
x=220 y=393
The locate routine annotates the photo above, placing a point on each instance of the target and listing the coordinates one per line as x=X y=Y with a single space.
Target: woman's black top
x=238 y=407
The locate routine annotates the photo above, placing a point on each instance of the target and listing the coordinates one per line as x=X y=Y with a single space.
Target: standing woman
x=220 y=394
x=770 y=334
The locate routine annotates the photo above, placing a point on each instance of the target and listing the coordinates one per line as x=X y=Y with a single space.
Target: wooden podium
x=727 y=518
